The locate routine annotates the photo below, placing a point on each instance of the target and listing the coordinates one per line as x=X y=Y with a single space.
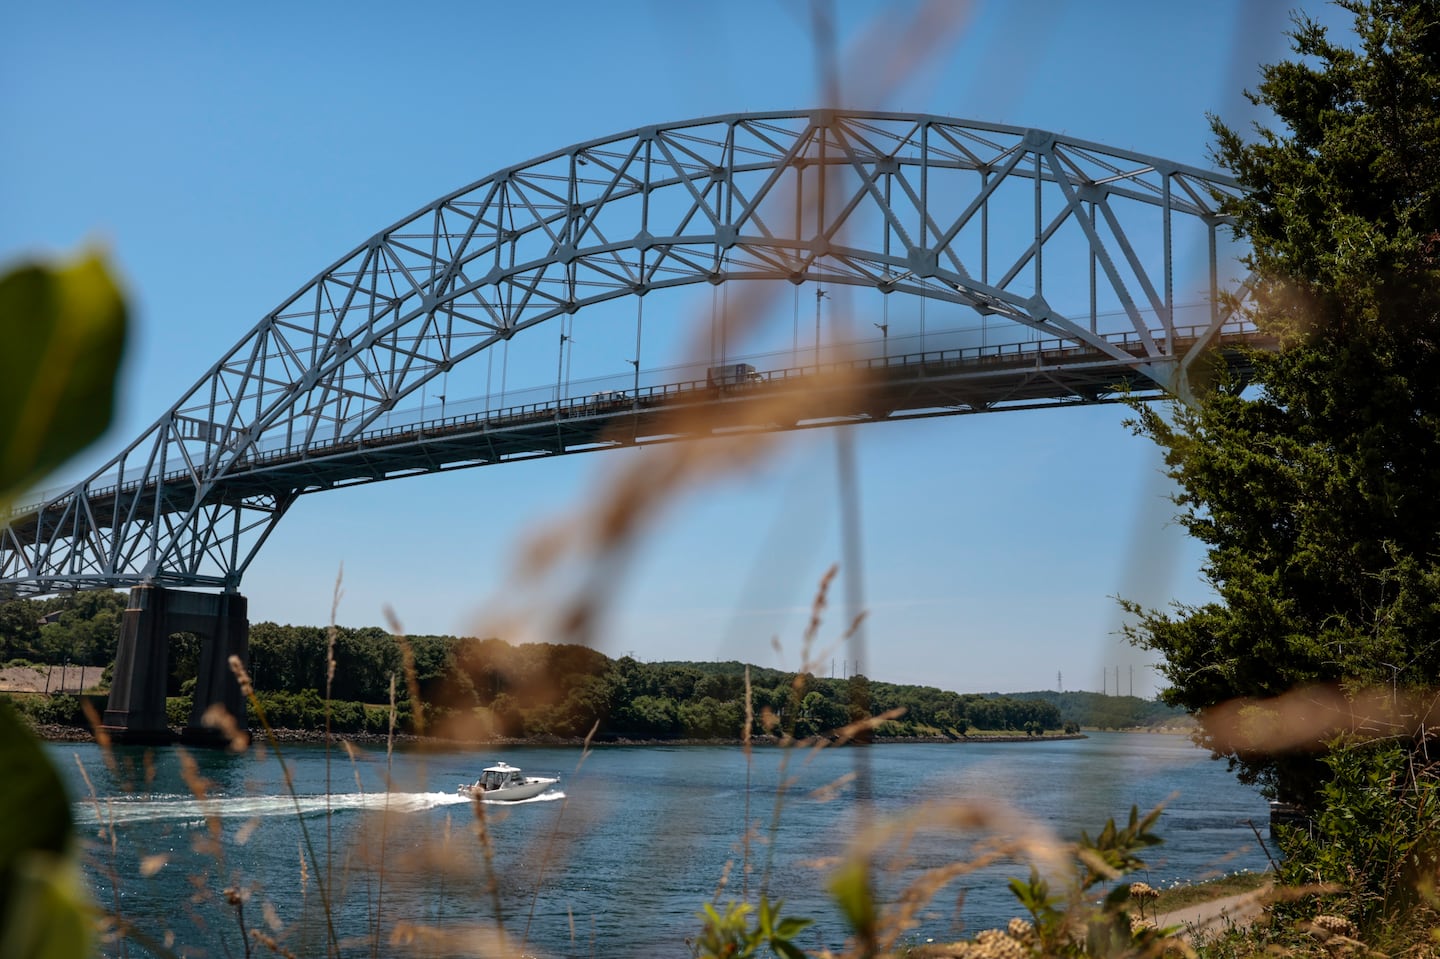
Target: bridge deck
x=894 y=387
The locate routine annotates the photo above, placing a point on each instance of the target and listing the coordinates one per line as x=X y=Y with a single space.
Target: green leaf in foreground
x=850 y=887
x=61 y=335
x=34 y=813
x=44 y=910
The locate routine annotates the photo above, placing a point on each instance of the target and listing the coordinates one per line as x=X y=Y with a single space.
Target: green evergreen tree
x=1315 y=491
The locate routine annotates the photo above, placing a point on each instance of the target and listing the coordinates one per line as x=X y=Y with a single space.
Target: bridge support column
x=136 y=711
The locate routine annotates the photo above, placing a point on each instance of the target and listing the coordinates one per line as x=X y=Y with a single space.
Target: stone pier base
x=136 y=711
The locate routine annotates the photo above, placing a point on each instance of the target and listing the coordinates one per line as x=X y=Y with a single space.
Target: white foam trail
x=128 y=809
x=131 y=809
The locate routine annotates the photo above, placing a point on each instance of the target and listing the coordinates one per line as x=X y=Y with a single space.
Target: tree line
x=534 y=690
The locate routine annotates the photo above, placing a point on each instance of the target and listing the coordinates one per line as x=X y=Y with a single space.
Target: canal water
x=384 y=856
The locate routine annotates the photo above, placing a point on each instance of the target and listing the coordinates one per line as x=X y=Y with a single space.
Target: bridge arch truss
x=1018 y=225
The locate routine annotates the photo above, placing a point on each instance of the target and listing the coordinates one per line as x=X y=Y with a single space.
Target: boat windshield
x=497 y=778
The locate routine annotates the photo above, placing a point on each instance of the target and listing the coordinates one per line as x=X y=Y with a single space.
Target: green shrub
x=377 y=719
x=1376 y=836
x=347 y=716
x=177 y=710
x=57 y=710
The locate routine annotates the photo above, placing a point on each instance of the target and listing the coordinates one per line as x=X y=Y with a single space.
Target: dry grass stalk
x=376 y=872
x=247 y=687
x=216 y=716
x=1002 y=833
x=487 y=852
x=1310 y=717
x=831 y=791
x=200 y=788
x=107 y=834
x=901 y=917
x=407 y=661
x=862 y=727
x=474 y=940
x=270 y=942
x=553 y=841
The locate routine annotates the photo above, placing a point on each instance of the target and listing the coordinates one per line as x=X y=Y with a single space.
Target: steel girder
x=970 y=213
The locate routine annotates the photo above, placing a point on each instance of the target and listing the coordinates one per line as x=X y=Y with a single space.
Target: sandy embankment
x=53 y=679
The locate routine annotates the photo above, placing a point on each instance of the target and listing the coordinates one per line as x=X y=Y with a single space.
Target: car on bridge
x=607 y=399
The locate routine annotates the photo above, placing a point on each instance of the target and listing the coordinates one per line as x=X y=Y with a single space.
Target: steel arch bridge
x=1006 y=221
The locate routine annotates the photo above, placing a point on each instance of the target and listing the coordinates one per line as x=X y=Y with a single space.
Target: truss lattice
x=995 y=218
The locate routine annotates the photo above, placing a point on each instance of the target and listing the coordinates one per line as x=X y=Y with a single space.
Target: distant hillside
x=927 y=710
x=1102 y=711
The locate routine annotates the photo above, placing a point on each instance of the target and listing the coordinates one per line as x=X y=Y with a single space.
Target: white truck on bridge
x=732 y=374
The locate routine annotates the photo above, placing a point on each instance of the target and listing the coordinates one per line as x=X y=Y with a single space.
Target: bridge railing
x=621 y=401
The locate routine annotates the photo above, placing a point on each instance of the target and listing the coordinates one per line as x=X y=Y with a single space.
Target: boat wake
x=133 y=809
x=161 y=808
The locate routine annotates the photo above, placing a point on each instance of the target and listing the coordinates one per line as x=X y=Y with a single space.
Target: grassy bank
x=1180 y=897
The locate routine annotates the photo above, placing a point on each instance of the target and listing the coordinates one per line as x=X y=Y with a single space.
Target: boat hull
x=526 y=790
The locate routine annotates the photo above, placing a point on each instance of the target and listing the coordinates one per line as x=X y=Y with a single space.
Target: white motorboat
x=506 y=783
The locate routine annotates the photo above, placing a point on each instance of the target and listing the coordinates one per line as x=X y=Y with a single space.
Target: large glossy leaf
x=50 y=914
x=34 y=812
x=61 y=336
x=850 y=886
x=43 y=906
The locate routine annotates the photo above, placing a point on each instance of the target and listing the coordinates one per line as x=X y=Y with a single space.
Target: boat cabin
x=498 y=777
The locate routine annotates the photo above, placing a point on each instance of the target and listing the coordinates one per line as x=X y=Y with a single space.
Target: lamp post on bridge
x=442 y=407
x=569 y=355
x=884 y=329
x=559 y=370
x=820 y=294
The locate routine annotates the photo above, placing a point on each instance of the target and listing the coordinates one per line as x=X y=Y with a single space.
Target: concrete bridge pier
x=136 y=710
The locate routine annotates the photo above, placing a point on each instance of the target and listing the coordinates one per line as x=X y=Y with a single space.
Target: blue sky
x=225 y=154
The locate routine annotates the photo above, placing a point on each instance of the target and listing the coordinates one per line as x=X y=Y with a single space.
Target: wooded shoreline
x=53 y=732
